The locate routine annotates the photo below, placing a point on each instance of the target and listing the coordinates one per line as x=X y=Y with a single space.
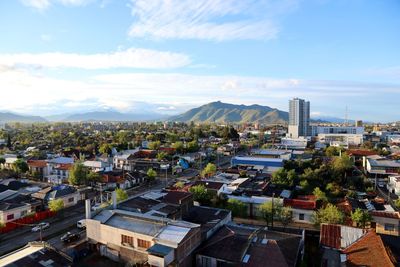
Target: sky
x=166 y=56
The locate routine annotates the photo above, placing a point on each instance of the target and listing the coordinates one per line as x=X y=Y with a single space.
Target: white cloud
x=44 y=4
x=38 y=4
x=208 y=19
x=130 y=58
x=175 y=92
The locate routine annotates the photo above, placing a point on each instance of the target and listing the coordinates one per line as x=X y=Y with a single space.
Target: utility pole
x=272 y=221
x=40 y=233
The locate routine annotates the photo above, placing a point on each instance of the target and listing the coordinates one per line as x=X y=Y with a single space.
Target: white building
x=294 y=143
x=344 y=140
x=394 y=184
x=299 y=118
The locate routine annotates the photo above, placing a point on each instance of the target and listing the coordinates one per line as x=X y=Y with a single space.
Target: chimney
x=87 y=209
x=114 y=199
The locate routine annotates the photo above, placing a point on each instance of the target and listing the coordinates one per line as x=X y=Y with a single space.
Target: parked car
x=81 y=224
x=69 y=237
x=96 y=207
x=42 y=225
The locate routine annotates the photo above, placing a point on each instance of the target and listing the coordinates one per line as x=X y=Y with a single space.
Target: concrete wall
x=380 y=225
x=307 y=215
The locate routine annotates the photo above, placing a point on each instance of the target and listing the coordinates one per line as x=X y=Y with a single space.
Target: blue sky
x=62 y=56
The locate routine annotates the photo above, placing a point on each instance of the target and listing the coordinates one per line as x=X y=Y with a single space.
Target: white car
x=42 y=225
x=81 y=224
x=96 y=207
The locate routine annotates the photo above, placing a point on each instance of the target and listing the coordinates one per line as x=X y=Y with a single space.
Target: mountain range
x=229 y=113
x=218 y=112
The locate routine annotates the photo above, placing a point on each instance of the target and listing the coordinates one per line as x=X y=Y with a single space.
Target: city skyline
x=169 y=56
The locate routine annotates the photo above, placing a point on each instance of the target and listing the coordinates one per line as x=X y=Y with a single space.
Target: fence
x=38 y=216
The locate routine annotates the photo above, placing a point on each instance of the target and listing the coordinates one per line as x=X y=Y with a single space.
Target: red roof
x=392 y=215
x=64 y=167
x=368 y=251
x=301 y=202
x=37 y=163
x=330 y=235
x=360 y=152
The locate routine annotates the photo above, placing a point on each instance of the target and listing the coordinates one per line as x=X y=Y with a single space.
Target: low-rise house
x=303 y=208
x=38 y=167
x=381 y=166
x=215 y=188
x=386 y=222
x=97 y=165
x=11 y=211
x=68 y=194
x=10 y=160
x=138 y=238
x=269 y=165
x=234 y=245
x=349 y=246
x=59 y=174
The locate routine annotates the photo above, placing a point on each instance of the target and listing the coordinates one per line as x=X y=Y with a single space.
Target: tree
x=238 y=208
x=179 y=185
x=397 y=203
x=2 y=160
x=178 y=146
x=20 y=166
x=361 y=217
x=269 y=210
x=105 y=149
x=200 y=194
x=151 y=175
x=161 y=156
x=209 y=170
x=285 y=216
x=56 y=205
x=320 y=195
x=342 y=164
x=329 y=214
x=121 y=194
x=94 y=177
x=77 y=174
x=284 y=178
x=155 y=145
x=332 y=151
x=193 y=146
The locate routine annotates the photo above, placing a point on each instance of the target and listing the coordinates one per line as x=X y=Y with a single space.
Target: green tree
x=397 y=203
x=332 y=151
x=320 y=195
x=178 y=146
x=121 y=194
x=193 y=146
x=269 y=211
x=155 y=145
x=200 y=194
x=209 y=170
x=105 y=149
x=77 y=174
x=238 y=208
x=329 y=214
x=20 y=166
x=284 y=178
x=361 y=217
x=342 y=164
x=161 y=156
x=56 y=205
x=285 y=216
x=151 y=175
x=179 y=185
x=2 y=160
x=94 y=177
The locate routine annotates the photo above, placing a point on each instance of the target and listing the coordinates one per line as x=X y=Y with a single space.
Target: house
x=68 y=194
x=138 y=238
x=349 y=246
x=10 y=160
x=38 y=167
x=303 y=208
x=269 y=165
x=386 y=222
x=36 y=254
x=11 y=211
x=97 y=165
x=381 y=166
x=210 y=219
x=234 y=245
x=58 y=169
x=394 y=184
x=215 y=188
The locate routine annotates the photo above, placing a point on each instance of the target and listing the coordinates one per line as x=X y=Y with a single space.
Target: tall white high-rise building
x=299 y=118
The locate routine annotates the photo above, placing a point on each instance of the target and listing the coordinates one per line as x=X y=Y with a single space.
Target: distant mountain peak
x=231 y=113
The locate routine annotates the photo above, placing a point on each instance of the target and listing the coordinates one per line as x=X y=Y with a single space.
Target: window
x=127 y=240
x=205 y=262
x=23 y=213
x=301 y=216
x=10 y=217
x=71 y=199
x=143 y=243
x=389 y=227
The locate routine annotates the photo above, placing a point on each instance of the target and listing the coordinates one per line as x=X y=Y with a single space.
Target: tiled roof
x=392 y=215
x=302 y=202
x=37 y=163
x=210 y=184
x=368 y=251
x=360 y=152
x=175 y=197
x=339 y=236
